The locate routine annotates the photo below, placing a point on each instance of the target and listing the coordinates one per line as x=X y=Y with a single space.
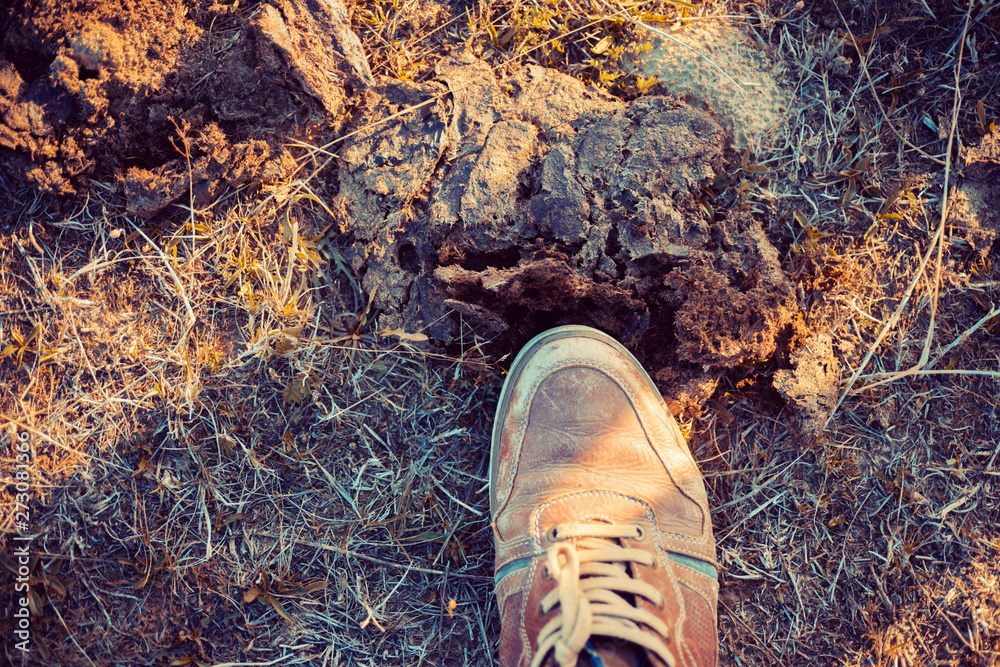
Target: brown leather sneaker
x=604 y=547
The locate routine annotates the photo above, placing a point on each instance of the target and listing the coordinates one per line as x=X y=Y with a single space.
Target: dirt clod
x=813 y=386
x=127 y=96
x=313 y=39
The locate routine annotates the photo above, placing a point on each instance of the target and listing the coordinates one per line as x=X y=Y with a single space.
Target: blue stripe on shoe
x=698 y=564
x=510 y=568
x=595 y=659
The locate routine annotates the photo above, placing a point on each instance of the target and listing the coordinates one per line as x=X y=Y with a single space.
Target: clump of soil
x=814 y=385
x=161 y=99
x=520 y=215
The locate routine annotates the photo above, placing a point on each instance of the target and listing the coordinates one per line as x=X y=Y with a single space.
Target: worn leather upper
x=582 y=435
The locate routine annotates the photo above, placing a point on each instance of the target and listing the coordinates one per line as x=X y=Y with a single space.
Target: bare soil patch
x=165 y=99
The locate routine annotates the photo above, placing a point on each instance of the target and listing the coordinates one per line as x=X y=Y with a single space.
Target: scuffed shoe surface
x=604 y=547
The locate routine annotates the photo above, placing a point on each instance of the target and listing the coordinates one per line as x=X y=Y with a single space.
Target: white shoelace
x=591 y=571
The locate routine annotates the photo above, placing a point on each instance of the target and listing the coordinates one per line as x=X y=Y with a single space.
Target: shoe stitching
x=538 y=511
x=695 y=587
x=669 y=562
x=514 y=555
x=647 y=424
x=530 y=578
x=542 y=376
x=614 y=494
x=507 y=561
x=704 y=540
x=698 y=589
x=683 y=641
x=624 y=385
x=503 y=582
x=515 y=543
x=688 y=653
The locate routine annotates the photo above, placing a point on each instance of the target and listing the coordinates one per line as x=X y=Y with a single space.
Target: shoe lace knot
x=593 y=570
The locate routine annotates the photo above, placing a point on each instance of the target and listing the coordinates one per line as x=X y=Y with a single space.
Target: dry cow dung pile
x=553 y=203
x=516 y=206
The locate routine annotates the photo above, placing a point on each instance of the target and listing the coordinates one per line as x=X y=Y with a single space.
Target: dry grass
x=232 y=464
x=280 y=477
x=596 y=41
x=878 y=544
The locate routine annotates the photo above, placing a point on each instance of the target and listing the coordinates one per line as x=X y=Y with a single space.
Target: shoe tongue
x=604 y=653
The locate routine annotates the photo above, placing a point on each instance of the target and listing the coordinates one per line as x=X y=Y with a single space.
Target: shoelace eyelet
x=546 y=574
x=640 y=534
x=553 y=534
